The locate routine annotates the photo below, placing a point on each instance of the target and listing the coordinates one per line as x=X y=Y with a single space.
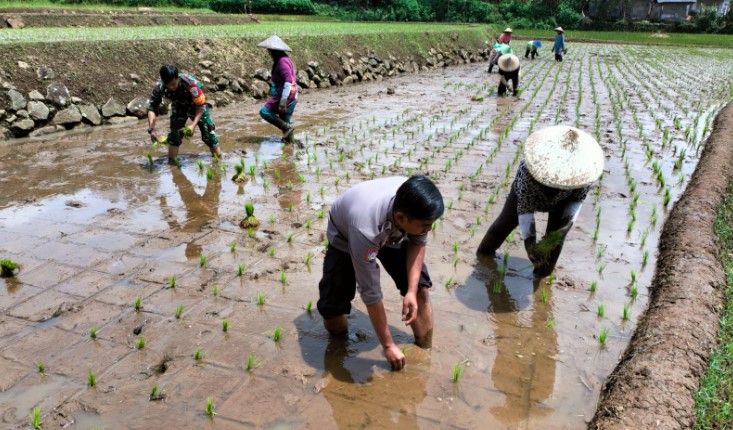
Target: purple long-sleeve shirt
x=283 y=77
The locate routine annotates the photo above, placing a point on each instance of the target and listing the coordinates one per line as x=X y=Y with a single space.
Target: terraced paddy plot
x=509 y=352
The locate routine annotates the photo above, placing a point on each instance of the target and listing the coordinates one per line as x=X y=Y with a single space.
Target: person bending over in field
x=532 y=47
x=508 y=71
x=188 y=101
x=388 y=220
x=560 y=163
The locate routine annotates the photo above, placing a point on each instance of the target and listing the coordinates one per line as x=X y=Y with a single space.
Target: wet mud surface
x=96 y=226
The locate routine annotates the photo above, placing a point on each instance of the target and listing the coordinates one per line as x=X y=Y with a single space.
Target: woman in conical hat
x=278 y=110
x=560 y=164
x=559 y=47
x=509 y=71
x=532 y=47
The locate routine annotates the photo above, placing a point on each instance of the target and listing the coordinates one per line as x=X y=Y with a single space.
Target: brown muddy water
x=95 y=226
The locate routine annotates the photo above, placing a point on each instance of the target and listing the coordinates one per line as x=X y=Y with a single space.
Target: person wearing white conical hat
x=560 y=164
x=509 y=71
x=278 y=110
x=559 y=47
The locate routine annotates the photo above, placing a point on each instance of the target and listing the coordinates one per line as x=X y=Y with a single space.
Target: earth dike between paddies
x=654 y=382
x=52 y=86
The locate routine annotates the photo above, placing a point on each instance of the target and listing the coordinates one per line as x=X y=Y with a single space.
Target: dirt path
x=653 y=385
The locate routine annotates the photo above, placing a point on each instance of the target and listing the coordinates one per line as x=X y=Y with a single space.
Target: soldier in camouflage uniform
x=188 y=101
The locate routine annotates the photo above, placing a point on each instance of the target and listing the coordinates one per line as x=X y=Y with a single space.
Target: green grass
x=713 y=401
x=265 y=29
x=722 y=40
x=48 y=4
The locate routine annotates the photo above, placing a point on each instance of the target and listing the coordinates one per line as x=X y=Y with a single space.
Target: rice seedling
x=93 y=332
x=216 y=291
x=601 y=268
x=209 y=174
x=277 y=334
x=550 y=323
x=645 y=258
x=603 y=337
x=320 y=214
x=457 y=372
x=601 y=310
x=599 y=251
x=233 y=246
x=502 y=271
x=308 y=224
x=240 y=269
x=150 y=159
x=498 y=286
x=449 y=282
x=290 y=207
x=633 y=276
x=8 y=268
x=91 y=378
x=456 y=246
x=249 y=221
x=200 y=164
x=593 y=286
x=626 y=313
x=172 y=282
x=177 y=161
x=140 y=342
x=309 y=306
x=260 y=299
x=210 y=408
x=478 y=220
x=36 y=418
x=272 y=252
x=634 y=292
x=179 y=311
x=252 y=170
x=630 y=226
x=308 y=259
x=644 y=236
x=41 y=368
x=283 y=277
x=251 y=362
x=251 y=233
x=667 y=196
x=198 y=355
x=202 y=260
x=544 y=296
x=153 y=393
x=138 y=302
x=225 y=325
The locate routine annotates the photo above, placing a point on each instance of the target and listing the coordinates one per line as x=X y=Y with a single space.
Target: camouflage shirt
x=189 y=94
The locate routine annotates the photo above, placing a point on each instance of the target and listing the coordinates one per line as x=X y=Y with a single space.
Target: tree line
x=538 y=14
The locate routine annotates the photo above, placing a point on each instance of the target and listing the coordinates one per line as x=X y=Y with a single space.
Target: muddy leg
x=422 y=328
x=337 y=325
x=501 y=227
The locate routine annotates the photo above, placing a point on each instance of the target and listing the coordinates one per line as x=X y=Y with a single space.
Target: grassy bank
x=721 y=40
x=46 y=4
x=714 y=400
x=284 y=29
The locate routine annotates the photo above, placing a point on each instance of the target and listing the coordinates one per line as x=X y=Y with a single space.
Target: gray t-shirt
x=360 y=223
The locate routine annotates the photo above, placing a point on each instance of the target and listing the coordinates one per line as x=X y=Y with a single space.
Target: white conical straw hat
x=559 y=29
x=508 y=30
x=508 y=63
x=563 y=157
x=275 y=43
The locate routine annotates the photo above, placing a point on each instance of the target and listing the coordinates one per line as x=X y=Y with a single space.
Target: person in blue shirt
x=559 y=47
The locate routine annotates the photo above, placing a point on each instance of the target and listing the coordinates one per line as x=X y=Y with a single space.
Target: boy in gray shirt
x=386 y=219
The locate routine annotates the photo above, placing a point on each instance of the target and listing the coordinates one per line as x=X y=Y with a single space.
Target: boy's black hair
x=419 y=198
x=168 y=73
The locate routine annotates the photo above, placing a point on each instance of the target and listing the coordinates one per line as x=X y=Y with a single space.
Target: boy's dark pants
x=338 y=285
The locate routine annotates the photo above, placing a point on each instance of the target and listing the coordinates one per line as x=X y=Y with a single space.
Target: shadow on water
x=353 y=369
x=520 y=310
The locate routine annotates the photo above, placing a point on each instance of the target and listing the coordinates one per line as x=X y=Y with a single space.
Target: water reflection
x=200 y=209
x=520 y=311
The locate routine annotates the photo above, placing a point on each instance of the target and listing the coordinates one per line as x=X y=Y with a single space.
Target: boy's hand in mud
x=409 y=308
x=395 y=357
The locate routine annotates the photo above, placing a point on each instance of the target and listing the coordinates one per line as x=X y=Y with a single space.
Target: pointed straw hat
x=563 y=157
x=508 y=63
x=274 y=43
x=507 y=30
x=559 y=29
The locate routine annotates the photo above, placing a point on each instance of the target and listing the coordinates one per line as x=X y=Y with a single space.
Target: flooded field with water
x=97 y=227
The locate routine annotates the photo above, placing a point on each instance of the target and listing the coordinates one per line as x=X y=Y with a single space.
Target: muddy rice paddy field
x=100 y=230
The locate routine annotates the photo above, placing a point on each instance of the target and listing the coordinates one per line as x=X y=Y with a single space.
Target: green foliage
x=293 y=7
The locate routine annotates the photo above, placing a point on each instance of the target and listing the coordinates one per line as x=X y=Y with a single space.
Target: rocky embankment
x=36 y=98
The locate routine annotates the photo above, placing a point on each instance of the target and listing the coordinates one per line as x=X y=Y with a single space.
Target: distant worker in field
x=278 y=110
x=559 y=47
x=499 y=50
x=532 y=47
x=560 y=164
x=388 y=220
x=505 y=37
x=508 y=71
x=187 y=101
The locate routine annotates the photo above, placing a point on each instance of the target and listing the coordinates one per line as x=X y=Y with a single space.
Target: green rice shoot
x=137 y=304
x=277 y=334
x=41 y=367
x=36 y=418
x=140 y=342
x=225 y=325
x=179 y=311
x=251 y=362
x=8 y=268
x=197 y=354
x=210 y=412
x=153 y=392
x=603 y=337
x=91 y=378
x=93 y=332
x=457 y=372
